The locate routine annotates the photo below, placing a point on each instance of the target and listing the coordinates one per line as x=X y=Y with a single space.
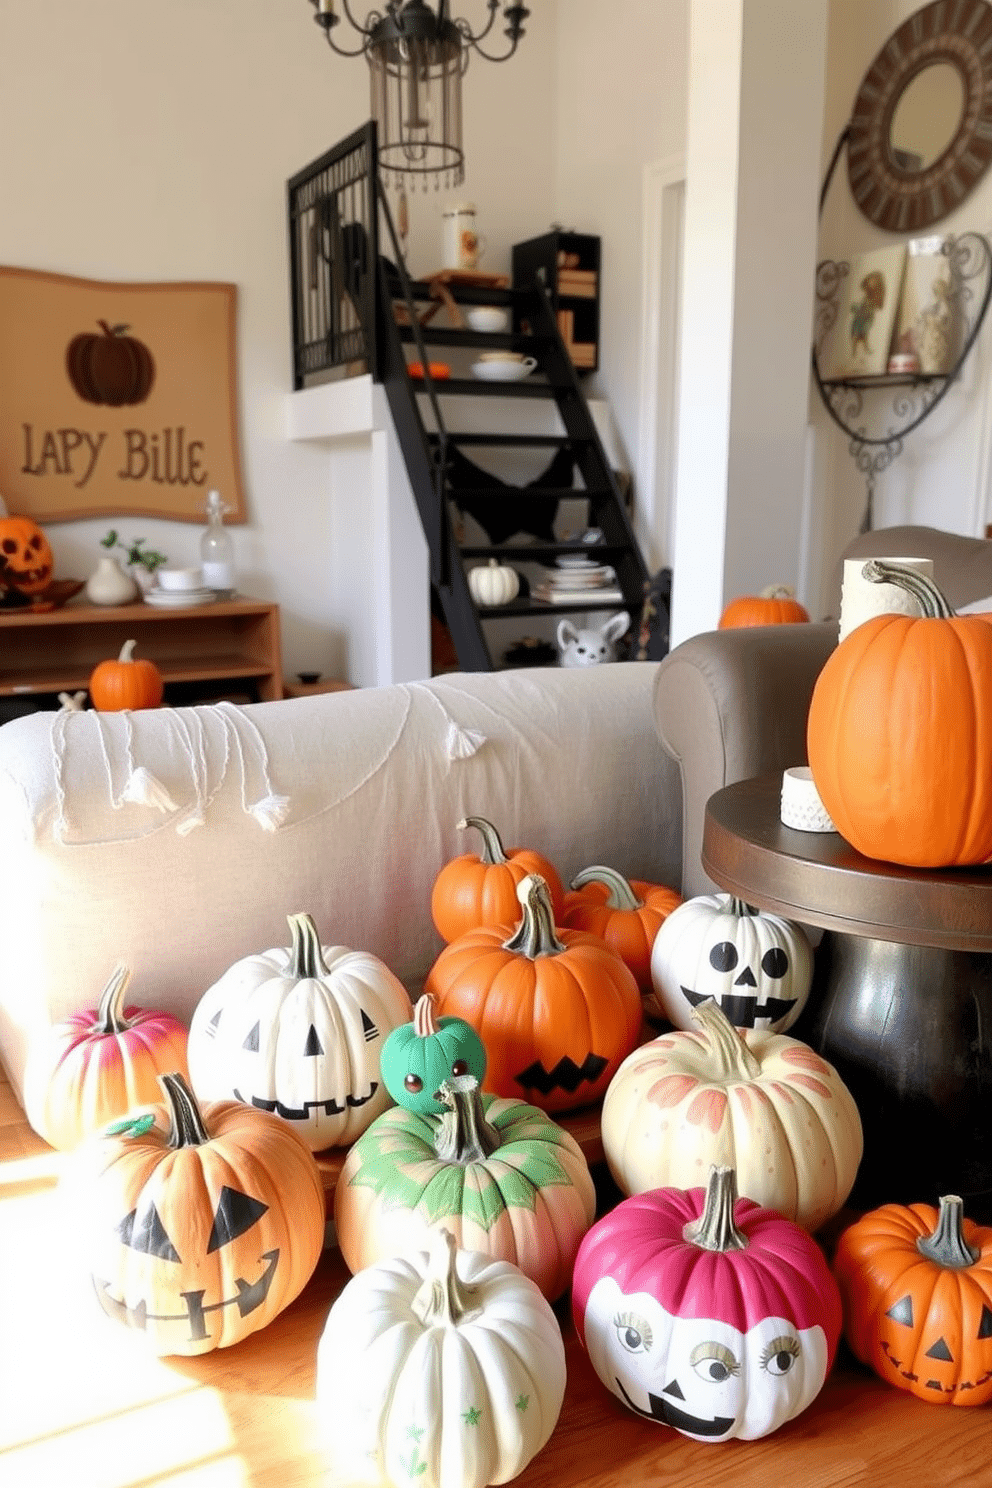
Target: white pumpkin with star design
x=298 y=1031
x=758 y=967
x=462 y=1371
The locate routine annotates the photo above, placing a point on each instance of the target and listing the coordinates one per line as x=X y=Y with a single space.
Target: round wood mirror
x=920 y=135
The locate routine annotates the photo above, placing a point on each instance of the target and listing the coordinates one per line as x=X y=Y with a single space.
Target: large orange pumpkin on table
x=776 y=605
x=126 y=682
x=899 y=734
x=481 y=888
x=556 y=1009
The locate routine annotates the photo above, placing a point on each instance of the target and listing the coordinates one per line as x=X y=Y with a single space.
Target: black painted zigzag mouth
x=309 y=1108
x=566 y=1074
x=663 y=1410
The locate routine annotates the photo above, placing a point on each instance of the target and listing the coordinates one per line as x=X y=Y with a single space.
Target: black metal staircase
x=446 y=482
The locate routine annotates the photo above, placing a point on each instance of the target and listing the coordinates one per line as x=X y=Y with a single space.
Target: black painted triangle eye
x=236 y=1213
x=147 y=1234
x=939 y=1350
x=313 y=1044
x=251 y=1041
x=902 y=1311
x=985 y=1322
x=368 y=1027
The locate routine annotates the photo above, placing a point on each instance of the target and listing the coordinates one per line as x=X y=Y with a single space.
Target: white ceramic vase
x=108 y=584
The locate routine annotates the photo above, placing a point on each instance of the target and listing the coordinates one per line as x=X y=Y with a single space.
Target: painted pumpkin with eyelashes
x=197 y=1225
x=705 y=1312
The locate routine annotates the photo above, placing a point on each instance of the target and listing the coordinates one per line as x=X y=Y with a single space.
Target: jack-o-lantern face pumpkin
x=917 y=1289
x=298 y=1032
x=419 y=1056
x=198 y=1226
x=705 y=1313
x=757 y=967
x=26 y=561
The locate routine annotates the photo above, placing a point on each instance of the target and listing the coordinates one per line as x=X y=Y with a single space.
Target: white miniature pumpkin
x=441 y=1368
x=758 y=967
x=762 y=1103
x=493 y=583
x=299 y=1032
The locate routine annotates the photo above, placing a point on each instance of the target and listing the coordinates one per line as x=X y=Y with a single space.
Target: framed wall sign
x=117 y=399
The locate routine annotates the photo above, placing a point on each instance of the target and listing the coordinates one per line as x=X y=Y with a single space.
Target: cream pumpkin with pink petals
x=762 y=1103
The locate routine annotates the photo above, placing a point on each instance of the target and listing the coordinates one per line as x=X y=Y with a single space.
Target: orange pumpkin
x=198 y=1225
x=99 y=1063
x=26 y=561
x=557 y=1010
x=626 y=913
x=917 y=1290
x=776 y=605
x=126 y=683
x=898 y=732
x=481 y=889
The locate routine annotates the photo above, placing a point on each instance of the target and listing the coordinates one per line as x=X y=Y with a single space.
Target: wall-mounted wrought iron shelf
x=876 y=425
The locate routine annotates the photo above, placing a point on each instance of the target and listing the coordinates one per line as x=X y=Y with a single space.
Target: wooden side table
x=901 y=1001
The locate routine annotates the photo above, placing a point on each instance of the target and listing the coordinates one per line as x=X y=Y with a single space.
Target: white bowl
x=180 y=578
x=503 y=371
x=487 y=318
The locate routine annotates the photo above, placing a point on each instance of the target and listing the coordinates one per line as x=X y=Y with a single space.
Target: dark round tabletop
x=818 y=878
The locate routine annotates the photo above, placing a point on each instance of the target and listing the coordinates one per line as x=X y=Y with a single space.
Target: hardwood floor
x=84 y=1405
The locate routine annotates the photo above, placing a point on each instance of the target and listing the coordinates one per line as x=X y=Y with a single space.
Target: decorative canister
x=461 y=245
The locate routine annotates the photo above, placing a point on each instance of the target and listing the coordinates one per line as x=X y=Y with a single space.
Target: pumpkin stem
x=306 y=957
x=188 y=1128
x=110 y=1013
x=492 y=847
x=620 y=894
x=716 y=1229
x=442 y=1297
x=947 y=1244
x=127 y=651
x=423 y=1016
x=535 y=935
x=933 y=605
x=731 y=1055
x=777 y=591
x=463 y=1134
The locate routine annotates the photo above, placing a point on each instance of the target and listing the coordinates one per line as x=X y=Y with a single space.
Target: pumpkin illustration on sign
x=297 y=1032
x=757 y=967
x=26 y=561
x=503 y=1177
x=705 y=1312
x=112 y=369
x=917 y=1289
x=197 y=1225
x=419 y=1055
x=556 y=1009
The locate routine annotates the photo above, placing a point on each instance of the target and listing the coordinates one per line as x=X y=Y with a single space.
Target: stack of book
x=583 y=353
x=579 y=284
x=576 y=578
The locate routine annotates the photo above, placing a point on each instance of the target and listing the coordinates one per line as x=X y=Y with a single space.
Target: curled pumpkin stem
x=933 y=605
x=619 y=894
x=535 y=935
x=492 y=847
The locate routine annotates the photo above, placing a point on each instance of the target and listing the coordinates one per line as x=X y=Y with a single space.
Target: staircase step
x=488 y=340
x=475 y=387
x=511 y=441
x=542 y=552
x=526 y=606
x=500 y=493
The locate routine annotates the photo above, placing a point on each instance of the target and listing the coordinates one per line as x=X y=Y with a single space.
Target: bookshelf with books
x=569 y=263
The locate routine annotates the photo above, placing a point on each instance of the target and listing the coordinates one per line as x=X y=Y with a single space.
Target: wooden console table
x=233 y=642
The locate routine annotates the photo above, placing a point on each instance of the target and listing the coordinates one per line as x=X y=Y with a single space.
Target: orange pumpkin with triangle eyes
x=917 y=1289
x=26 y=561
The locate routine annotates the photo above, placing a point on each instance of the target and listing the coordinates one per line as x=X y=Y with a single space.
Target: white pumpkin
x=493 y=583
x=762 y=1103
x=758 y=967
x=299 y=1031
x=440 y=1368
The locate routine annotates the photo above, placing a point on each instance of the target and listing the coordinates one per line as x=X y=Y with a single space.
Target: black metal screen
x=333 y=248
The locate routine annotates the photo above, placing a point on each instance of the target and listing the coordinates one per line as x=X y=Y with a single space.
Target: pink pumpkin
x=706 y=1312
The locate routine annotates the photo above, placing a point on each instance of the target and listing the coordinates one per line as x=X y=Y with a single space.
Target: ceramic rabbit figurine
x=581 y=648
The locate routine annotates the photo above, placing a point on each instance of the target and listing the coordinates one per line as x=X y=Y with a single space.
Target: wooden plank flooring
x=83 y=1404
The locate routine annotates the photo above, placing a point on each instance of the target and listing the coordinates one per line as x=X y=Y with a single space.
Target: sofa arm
x=732 y=704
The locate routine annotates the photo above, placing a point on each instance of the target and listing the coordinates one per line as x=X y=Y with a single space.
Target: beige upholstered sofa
x=178 y=840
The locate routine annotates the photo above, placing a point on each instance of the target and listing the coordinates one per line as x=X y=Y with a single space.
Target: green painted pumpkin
x=418 y=1056
x=501 y=1175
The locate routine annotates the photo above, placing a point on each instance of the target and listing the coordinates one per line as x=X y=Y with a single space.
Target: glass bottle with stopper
x=217 y=549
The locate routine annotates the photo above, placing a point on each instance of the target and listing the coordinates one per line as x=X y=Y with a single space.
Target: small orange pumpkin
x=557 y=1010
x=126 y=683
x=476 y=889
x=26 y=561
x=917 y=1290
x=898 y=730
x=626 y=913
x=776 y=605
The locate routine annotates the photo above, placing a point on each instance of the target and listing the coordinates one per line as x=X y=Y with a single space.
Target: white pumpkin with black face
x=298 y=1031
x=758 y=967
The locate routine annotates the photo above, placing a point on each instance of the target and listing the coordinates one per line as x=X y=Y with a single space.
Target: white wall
x=942 y=477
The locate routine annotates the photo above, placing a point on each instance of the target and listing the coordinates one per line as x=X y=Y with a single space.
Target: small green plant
x=145 y=557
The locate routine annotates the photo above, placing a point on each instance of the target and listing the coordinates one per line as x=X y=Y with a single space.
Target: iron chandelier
x=417 y=59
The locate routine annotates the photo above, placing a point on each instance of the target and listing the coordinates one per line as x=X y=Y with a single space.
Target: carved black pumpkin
x=111 y=369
